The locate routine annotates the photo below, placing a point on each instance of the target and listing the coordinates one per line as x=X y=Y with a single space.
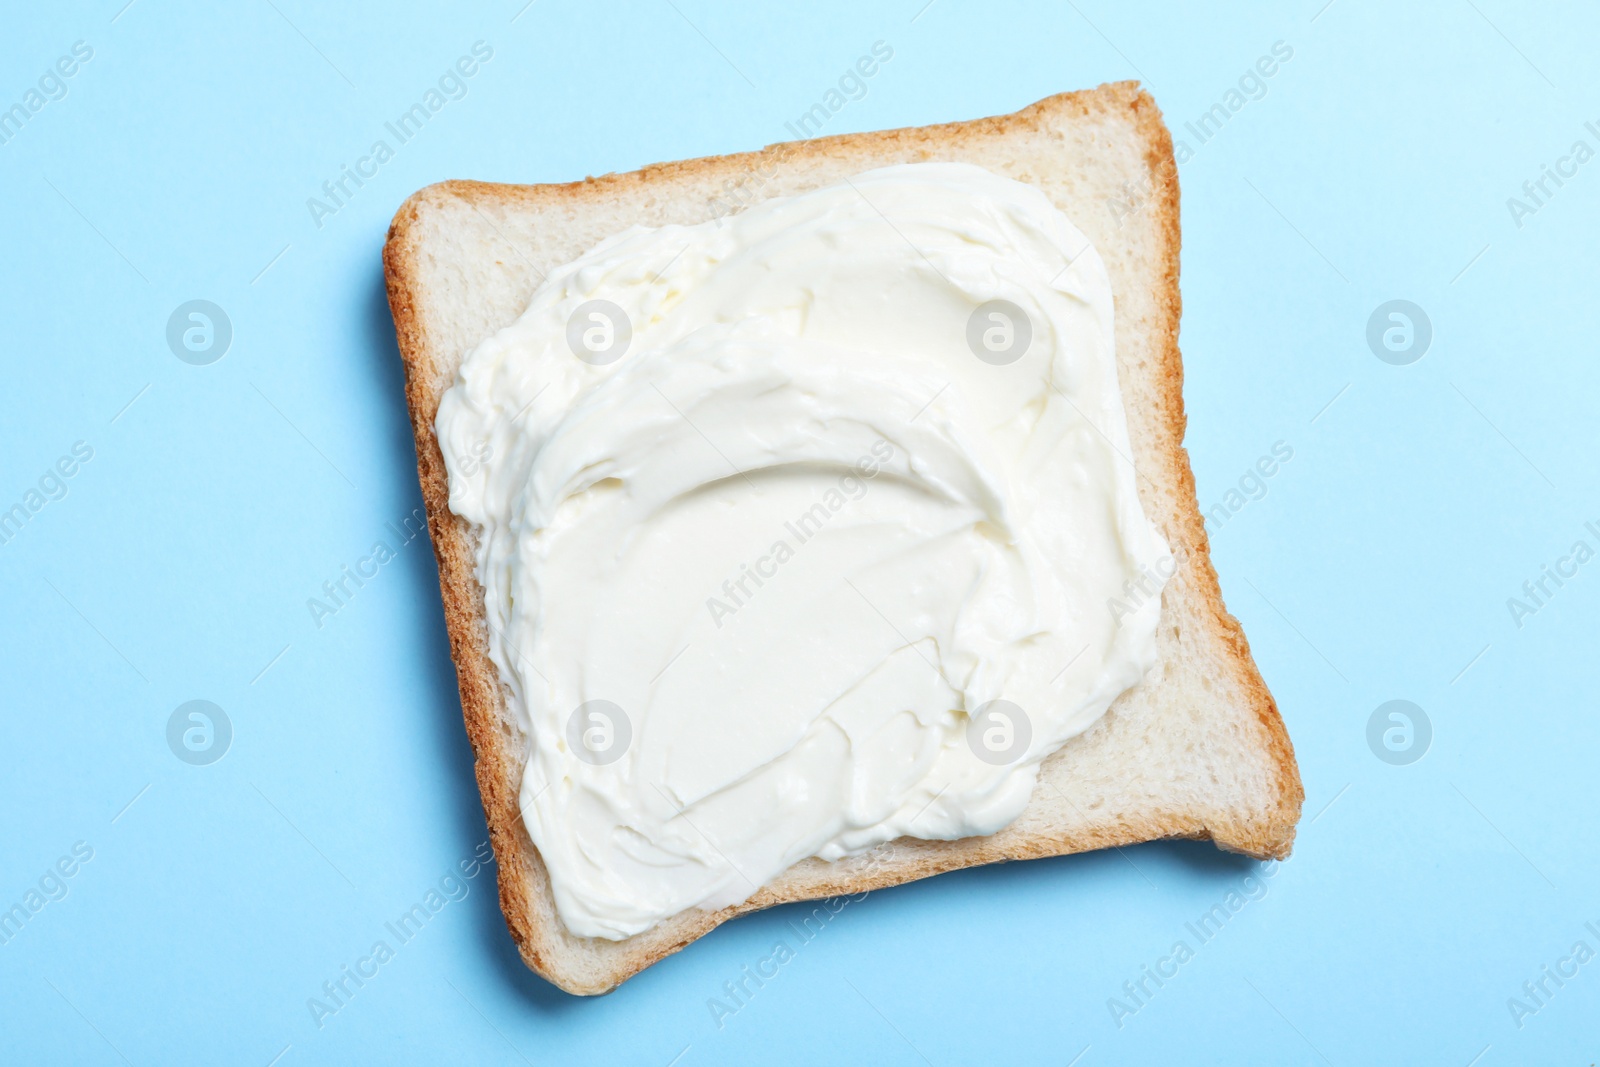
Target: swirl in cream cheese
x=773 y=559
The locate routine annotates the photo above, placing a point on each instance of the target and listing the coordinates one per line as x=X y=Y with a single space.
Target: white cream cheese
x=759 y=551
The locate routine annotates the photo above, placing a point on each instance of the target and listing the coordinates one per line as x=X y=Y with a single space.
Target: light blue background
x=1377 y=567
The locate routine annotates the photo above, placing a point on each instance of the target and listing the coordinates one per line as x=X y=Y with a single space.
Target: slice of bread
x=1197 y=750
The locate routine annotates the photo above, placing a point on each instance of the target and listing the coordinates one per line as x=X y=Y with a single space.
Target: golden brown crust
x=524 y=890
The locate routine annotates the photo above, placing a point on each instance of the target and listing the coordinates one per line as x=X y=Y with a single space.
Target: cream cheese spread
x=800 y=531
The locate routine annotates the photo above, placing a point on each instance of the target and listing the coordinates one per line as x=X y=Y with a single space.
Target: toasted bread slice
x=1197 y=750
